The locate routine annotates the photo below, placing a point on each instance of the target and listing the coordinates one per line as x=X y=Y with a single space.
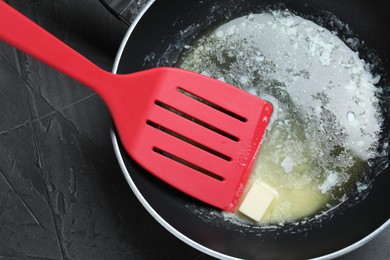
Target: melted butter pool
x=326 y=120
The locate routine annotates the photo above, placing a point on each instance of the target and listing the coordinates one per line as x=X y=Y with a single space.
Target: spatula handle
x=25 y=35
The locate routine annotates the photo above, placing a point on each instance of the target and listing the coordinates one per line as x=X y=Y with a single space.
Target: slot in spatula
x=198 y=134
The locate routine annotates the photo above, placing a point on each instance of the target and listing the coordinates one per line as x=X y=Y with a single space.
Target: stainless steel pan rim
x=154 y=214
x=161 y=220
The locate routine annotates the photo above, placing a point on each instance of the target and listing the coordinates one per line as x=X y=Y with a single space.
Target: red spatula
x=197 y=134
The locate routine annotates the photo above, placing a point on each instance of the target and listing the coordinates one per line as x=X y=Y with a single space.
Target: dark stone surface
x=62 y=194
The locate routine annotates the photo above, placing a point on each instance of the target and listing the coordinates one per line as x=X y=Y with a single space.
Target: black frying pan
x=159 y=32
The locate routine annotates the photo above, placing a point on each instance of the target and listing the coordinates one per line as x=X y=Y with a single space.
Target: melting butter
x=326 y=121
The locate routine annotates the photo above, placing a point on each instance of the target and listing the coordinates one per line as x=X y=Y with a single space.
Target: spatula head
x=198 y=134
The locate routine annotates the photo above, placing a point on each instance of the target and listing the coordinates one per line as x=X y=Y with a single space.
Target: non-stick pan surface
x=158 y=38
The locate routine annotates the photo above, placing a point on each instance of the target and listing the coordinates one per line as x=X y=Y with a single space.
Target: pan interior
x=160 y=44
x=326 y=120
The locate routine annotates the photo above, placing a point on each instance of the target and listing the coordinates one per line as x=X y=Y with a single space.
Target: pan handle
x=125 y=10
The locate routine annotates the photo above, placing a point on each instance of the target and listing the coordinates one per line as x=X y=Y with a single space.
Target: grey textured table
x=62 y=194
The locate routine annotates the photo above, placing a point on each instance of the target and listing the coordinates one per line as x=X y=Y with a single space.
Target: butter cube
x=257 y=200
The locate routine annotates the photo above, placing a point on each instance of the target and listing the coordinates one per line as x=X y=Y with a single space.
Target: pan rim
x=127 y=175
x=159 y=218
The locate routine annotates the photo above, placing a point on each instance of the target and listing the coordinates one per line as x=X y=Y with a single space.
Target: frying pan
x=158 y=36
